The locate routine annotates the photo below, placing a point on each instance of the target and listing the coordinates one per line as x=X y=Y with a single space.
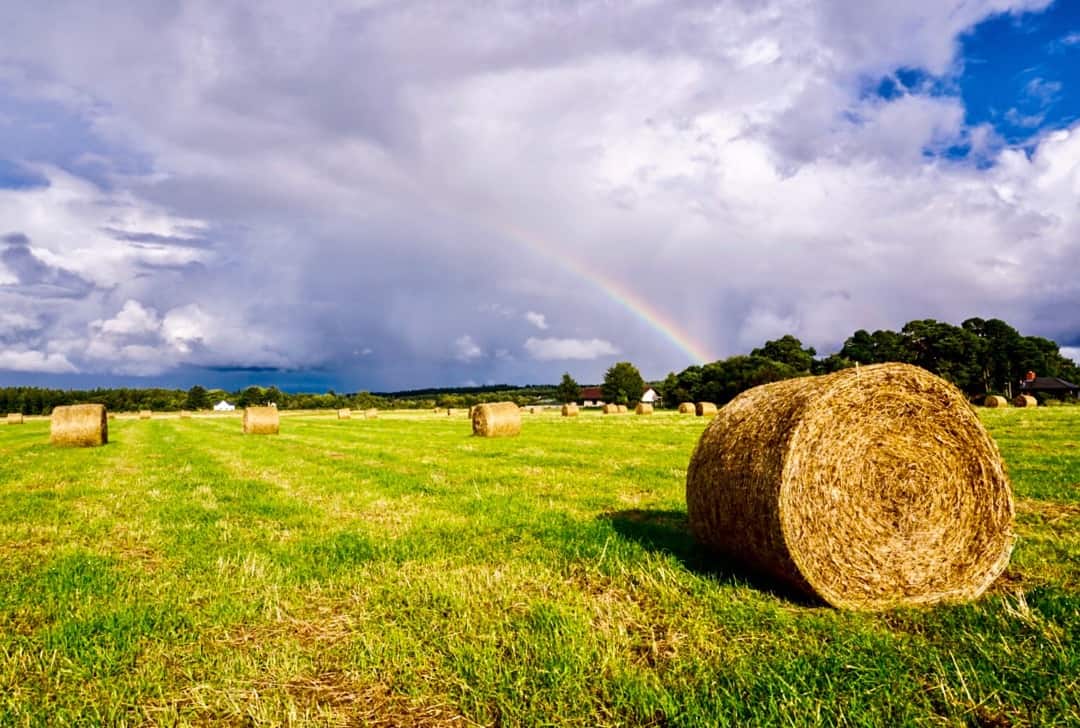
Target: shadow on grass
x=668 y=531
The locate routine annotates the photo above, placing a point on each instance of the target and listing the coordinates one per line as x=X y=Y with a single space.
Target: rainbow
x=617 y=292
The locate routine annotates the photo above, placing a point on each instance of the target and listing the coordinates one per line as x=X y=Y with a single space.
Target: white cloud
x=465 y=349
x=35 y=361
x=537 y=319
x=554 y=349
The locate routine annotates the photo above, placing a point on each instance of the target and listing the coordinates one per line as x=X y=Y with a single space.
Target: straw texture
x=261 y=421
x=623 y=409
x=687 y=408
x=569 y=410
x=705 y=409
x=79 y=425
x=371 y=414
x=14 y=418
x=643 y=408
x=1026 y=400
x=995 y=400
x=145 y=414
x=185 y=415
x=611 y=409
x=500 y=419
x=344 y=414
x=867 y=488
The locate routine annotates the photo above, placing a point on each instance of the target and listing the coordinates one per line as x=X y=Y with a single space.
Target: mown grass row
x=398 y=570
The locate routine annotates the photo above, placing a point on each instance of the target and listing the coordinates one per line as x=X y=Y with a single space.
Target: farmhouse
x=592 y=396
x=224 y=406
x=1053 y=386
x=651 y=396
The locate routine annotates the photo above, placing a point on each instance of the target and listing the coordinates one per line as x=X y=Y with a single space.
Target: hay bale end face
x=144 y=414
x=705 y=409
x=79 y=425
x=1025 y=400
x=643 y=408
x=569 y=410
x=868 y=489
x=687 y=408
x=995 y=400
x=611 y=409
x=15 y=418
x=344 y=414
x=261 y=421
x=500 y=419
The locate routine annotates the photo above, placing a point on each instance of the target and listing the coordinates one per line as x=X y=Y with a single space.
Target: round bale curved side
x=705 y=409
x=623 y=409
x=145 y=414
x=867 y=489
x=371 y=414
x=1025 y=400
x=611 y=409
x=344 y=414
x=643 y=408
x=185 y=415
x=569 y=410
x=995 y=400
x=15 y=418
x=261 y=421
x=499 y=419
x=79 y=425
x=687 y=408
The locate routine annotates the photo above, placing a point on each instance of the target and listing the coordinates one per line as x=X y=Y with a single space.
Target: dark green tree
x=788 y=350
x=197 y=398
x=568 y=390
x=623 y=384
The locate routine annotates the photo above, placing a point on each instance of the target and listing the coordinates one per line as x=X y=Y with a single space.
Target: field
x=400 y=572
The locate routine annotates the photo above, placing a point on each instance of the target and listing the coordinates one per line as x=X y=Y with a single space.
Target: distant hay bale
x=1025 y=400
x=261 y=421
x=705 y=409
x=643 y=408
x=623 y=409
x=14 y=418
x=500 y=419
x=450 y=411
x=344 y=414
x=569 y=410
x=611 y=409
x=79 y=425
x=185 y=415
x=371 y=414
x=687 y=408
x=868 y=489
x=535 y=410
x=995 y=400
x=144 y=414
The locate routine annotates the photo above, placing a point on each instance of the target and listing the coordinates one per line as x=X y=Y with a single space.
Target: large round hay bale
x=1025 y=400
x=145 y=414
x=499 y=419
x=687 y=408
x=79 y=425
x=344 y=414
x=15 y=418
x=868 y=488
x=611 y=409
x=261 y=421
x=569 y=410
x=705 y=409
x=643 y=408
x=185 y=415
x=623 y=409
x=371 y=414
x=995 y=400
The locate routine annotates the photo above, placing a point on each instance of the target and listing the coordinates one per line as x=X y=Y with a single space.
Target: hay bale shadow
x=668 y=531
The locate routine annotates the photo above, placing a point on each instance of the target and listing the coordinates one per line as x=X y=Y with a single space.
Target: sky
x=381 y=195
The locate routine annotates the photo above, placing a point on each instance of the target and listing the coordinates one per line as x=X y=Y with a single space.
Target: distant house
x=650 y=396
x=224 y=406
x=1053 y=386
x=592 y=396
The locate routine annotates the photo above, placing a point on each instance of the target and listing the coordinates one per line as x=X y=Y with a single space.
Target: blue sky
x=391 y=195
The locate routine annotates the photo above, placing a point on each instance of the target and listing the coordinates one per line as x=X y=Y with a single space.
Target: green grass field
x=400 y=572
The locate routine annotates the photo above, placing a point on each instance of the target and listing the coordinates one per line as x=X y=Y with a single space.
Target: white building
x=224 y=406
x=650 y=396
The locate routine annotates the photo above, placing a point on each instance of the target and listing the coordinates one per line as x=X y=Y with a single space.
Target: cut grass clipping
x=501 y=419
x=868 y=489
x=995 y=400
x=705 y=409
x=569 y=410
x=643 y=409
x=261 y=421
x=79 y=425
x=1026 y=400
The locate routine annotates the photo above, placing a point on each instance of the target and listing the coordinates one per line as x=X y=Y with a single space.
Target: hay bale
x=261 y=421
x=569 y=410
x=449 y=412
x=536 y=410
x=1025 y=400
x=344 y=414
x=185 y=415
x=79 y=425
x=705 y=409
x=868 y=488
x=995 y=400
x=623 y=409
x=144 y=414
x=15 y=418
x=687 y=408
x=643 y=408
x=611 y=409
x=371 y=414
x=501 y=419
